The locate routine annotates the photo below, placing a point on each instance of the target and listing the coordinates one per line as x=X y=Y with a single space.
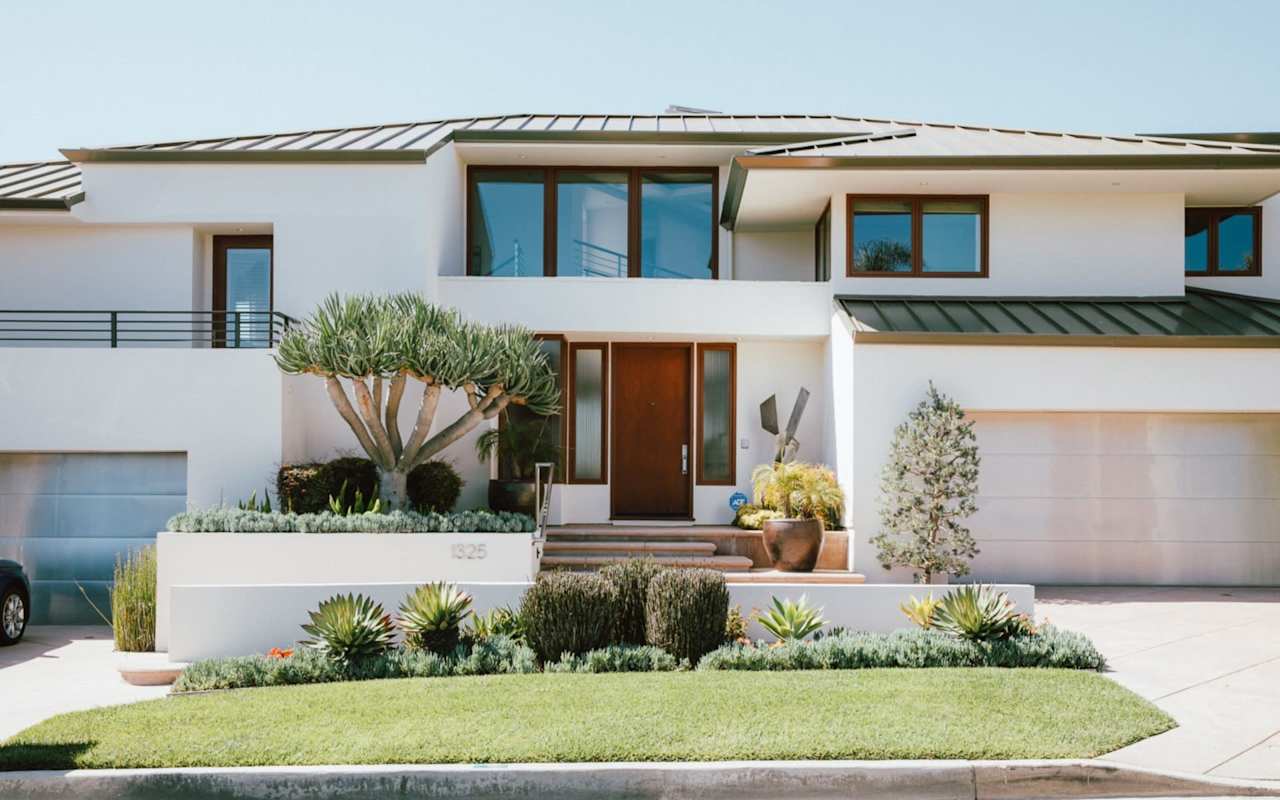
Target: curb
x=732 y=780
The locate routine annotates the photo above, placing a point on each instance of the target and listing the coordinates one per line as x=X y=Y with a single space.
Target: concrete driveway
x=59 y=668
x=1208 y=657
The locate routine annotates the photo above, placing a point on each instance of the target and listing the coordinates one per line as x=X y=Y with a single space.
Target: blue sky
x=89 y=73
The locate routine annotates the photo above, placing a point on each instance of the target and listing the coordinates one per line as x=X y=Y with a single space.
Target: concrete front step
x=724 y=563
x=653 y=532
x=565 y=546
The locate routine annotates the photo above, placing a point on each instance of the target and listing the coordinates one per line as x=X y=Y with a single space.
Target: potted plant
x=805 y=494
x=519 y=443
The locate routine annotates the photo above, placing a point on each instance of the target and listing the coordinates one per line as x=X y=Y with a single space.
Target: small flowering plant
x=276 y=652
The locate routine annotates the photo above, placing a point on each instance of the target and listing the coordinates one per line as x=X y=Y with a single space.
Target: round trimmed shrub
x=686 y=611
x=569 y=612
x=306 y=488
x=434 y=486
x=631 y=578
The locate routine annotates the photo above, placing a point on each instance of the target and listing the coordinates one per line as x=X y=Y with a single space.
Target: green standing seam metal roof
x=40 y=185
x=1200 y=318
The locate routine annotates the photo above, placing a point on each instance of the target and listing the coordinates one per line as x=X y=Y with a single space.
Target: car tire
x=15 y=610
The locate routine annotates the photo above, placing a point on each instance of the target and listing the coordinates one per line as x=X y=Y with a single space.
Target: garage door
x=65 y=517
x=1129 y=498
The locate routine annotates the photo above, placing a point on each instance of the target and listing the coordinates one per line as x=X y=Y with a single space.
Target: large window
x=1223 y=241
x=526 y=439
x=917 y=235
x=588 y=412
x=717 y=391
x=601 y=222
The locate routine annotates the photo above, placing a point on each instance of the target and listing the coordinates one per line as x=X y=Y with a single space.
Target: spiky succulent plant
x=431 y=614
x=790 y=621
x=348 y=628
x=978 y=613
x=500 y=621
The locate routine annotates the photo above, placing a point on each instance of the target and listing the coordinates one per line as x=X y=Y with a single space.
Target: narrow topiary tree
x=927 y=489
x=377 y=344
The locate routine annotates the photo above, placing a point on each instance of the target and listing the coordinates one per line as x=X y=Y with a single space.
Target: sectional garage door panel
x=1129 y=498
x=67 y=516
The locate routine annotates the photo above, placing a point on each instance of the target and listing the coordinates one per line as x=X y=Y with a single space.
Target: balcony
x=121 y=328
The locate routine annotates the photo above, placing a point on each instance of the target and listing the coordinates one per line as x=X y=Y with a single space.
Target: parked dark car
x=15 y=602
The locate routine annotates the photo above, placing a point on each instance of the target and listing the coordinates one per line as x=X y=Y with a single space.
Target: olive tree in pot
x=519 y=443
x=805 y=494
x=379 y=344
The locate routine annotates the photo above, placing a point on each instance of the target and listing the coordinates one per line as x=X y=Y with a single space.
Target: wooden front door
x=652 y=448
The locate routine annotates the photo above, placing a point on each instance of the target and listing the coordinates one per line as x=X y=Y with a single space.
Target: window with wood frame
x=717 y=404
x=525 y=438
x=588 y=405
x=822 y=246
x=243 y=289
x=600 y=222
x=1223 y=241
x=922 y=236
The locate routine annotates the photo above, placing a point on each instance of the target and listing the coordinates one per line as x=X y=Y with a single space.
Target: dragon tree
x=368 y=348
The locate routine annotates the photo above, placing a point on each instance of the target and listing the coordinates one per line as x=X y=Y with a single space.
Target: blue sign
x=737 y=500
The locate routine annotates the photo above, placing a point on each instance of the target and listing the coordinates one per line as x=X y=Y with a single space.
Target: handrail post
x=115 y=328
x=237 y=320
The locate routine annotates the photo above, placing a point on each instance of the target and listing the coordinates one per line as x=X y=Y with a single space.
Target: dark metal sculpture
x=787 y=444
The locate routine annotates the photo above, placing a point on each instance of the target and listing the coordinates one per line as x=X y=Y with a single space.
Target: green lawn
x=695 y=716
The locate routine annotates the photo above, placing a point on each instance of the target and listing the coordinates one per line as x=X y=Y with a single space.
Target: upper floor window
x=599 y=222
x=917 y=236
x=1223 y=241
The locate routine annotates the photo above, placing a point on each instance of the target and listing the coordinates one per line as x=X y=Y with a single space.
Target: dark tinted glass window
x=1222 y=241
x=1196 y=243
x=882 y=236
x=1235 y=242
x=506 y=225
x=676 y=225
x=951 y=236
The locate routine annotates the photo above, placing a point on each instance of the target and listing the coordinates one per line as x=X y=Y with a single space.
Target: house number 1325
x=468 y=551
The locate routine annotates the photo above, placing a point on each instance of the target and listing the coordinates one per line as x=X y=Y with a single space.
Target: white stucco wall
x=892 y=379
x=96 y=267
x=1268 y=283
x=336 y=227
x=221 y=407
x=1054 y=244
x=773 y=255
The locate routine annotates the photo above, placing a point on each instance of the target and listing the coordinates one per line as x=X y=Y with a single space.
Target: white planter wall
x=247 y=560
x=220 y=621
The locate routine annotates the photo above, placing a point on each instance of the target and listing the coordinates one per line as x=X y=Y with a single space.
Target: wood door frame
x=571 y=452
x=616 y=349
x=218 y=300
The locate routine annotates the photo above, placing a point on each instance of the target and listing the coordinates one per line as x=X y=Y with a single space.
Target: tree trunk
x=393 y=489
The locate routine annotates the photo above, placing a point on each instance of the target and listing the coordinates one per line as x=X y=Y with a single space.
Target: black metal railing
x=119 y=328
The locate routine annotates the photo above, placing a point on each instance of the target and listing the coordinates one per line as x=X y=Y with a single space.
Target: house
x=1103 y=306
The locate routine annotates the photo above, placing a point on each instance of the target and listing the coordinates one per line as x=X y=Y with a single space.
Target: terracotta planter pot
x=793 y=544
x=518 y=496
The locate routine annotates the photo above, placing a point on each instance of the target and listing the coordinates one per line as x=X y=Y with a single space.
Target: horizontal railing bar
x=277 y=314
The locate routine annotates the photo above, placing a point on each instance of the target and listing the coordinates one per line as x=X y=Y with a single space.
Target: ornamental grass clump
x=685 y=612
x=632 y=578
x=133 y=602
x=349 y=628
x=567 y=612
x=617 y=658
x=431 y=616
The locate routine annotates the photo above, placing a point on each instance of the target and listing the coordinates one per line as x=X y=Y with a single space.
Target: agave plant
x=921 y=611
x=501 y=621
x=790 y=621
x=348 y=628
x=253 y=504
x=431 y=614
x=976 y=612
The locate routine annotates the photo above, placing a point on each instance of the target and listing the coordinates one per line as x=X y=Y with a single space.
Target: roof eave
x=40 y=203
x=1060 y=340
x=633 y=137
x=102 y=156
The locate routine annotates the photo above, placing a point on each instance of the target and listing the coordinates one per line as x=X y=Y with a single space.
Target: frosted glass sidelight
x=588 y=414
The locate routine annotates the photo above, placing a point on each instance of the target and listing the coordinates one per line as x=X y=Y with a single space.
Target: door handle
x=684 y=459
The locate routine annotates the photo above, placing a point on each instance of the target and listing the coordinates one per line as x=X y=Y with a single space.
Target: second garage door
x=1129 y=498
